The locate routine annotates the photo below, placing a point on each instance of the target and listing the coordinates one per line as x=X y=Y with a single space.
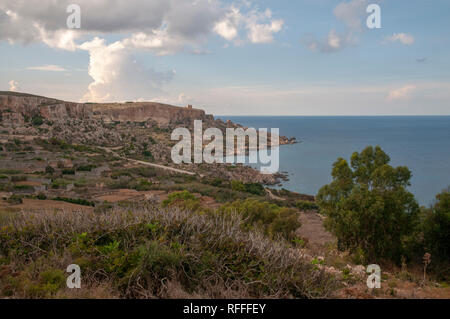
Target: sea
x=422 y=143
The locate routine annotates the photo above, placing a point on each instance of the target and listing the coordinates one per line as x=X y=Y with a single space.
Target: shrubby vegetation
x=435 y=231
x=37 y=120
x=183 y=200
x=436 y=227
x=85 y=168
x=270 y=218
x=150 y=252
x=54 y=145
x=252 y=188
x=304 y=205
x=77 y=201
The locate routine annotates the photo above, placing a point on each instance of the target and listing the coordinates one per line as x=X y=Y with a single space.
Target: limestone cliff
x=162 y=114
x=17 y=107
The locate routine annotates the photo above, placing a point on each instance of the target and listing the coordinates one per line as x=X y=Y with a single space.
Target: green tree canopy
x=436 y=228
x=367 y=205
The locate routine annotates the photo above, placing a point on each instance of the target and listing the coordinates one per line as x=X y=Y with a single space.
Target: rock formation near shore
x=18 y=109
x=162 y=114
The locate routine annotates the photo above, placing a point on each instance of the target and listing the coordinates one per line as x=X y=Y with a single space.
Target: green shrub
x=86 y=168
x=237 y=186
x=23 y=187
x=41 y=196
x=159 y=261
x=147 y=154
x=10 y=171
x=15 y=200
x=255 y=188
x=49 y=170
x=436 y=228
x=139 y=252
x=217 y=182
x=252 y=188
x=59 y=183
x=272 y=219
x=143 y=185
x=184 y=200
x=37 y=121
x=50 y=281
x=143 y=171
x=68 y=171
x=82 y=202
x=306 y=206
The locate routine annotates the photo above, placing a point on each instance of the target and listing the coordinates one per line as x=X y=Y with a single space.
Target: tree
x=367 y=205
x=436 y=228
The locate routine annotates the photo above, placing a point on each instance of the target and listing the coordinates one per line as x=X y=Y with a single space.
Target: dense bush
x=23 y=187
x=68 y=171
x=368 y=206
x=15 y=199
x=49 y=170
x=41 y=196
x=59 y=183
x=252 y=188
x=436 y=228
x=184 y=200
x=54 y=144
x=148 y=155
x=305 y=205
x=272 y=219
x=85 y=168
x=18 y=178
x=77 y=201
x=10 y=171
x=143 y=185
x=37 y=121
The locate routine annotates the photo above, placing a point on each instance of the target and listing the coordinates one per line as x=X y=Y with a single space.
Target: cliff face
x=162 y=114
x=16 y=107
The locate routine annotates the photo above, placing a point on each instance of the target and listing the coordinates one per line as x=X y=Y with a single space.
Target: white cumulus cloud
x=402 y=93
x=403 y=38
x=118 y=76
x=353 y=15
x=48 y=67
x=332 y=43
x=13 y=86
x=260 y=26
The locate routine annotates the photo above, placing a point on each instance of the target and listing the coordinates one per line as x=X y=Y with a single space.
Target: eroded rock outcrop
x=162 y=114
x=17 y=108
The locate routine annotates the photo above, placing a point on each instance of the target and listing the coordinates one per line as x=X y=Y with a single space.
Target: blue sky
x=306 y=57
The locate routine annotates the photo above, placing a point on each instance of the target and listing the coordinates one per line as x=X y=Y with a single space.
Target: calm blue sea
x=421 y=143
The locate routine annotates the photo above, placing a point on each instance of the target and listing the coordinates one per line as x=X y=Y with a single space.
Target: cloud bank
x=160 y=27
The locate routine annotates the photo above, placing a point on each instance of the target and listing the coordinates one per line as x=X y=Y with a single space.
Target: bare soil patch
x=312 y=229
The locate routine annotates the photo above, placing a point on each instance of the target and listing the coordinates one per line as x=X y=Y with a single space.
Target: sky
x=233 y=57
